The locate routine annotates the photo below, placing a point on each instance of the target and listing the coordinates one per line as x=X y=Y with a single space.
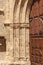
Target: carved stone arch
x=23 y=11
x=16 y=11
x=27 y=12
x=19 y=17
x=20 y=29
x=15 y=5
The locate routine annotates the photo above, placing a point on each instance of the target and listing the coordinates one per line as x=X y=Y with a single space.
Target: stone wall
x=16 y=34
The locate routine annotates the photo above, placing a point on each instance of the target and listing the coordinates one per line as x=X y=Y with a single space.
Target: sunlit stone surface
x=12 y=13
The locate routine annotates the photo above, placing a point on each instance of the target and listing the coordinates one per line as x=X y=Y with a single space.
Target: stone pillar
x=22 y=30
x=27 y=34
x=9 y=32
x=9 y=42
x=16 y=44
x=22 y=43
x=16 y=30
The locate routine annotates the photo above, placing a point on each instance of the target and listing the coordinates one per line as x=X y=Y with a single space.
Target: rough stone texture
x=17 y=39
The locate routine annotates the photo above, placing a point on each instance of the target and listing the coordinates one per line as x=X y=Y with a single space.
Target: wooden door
x=36 y=33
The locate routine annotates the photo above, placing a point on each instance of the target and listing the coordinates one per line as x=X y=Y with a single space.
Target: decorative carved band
x=21 y=25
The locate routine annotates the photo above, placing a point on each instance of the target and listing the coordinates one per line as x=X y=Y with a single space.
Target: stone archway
x=18 y=24
x=21 y=29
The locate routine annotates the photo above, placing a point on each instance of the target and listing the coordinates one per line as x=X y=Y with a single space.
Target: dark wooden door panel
x=36 y=50
x=36 y=33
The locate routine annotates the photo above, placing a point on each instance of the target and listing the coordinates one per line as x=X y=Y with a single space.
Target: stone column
x=22 y=30
x=27 y=34
x=9 y=32
x=16 y=30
